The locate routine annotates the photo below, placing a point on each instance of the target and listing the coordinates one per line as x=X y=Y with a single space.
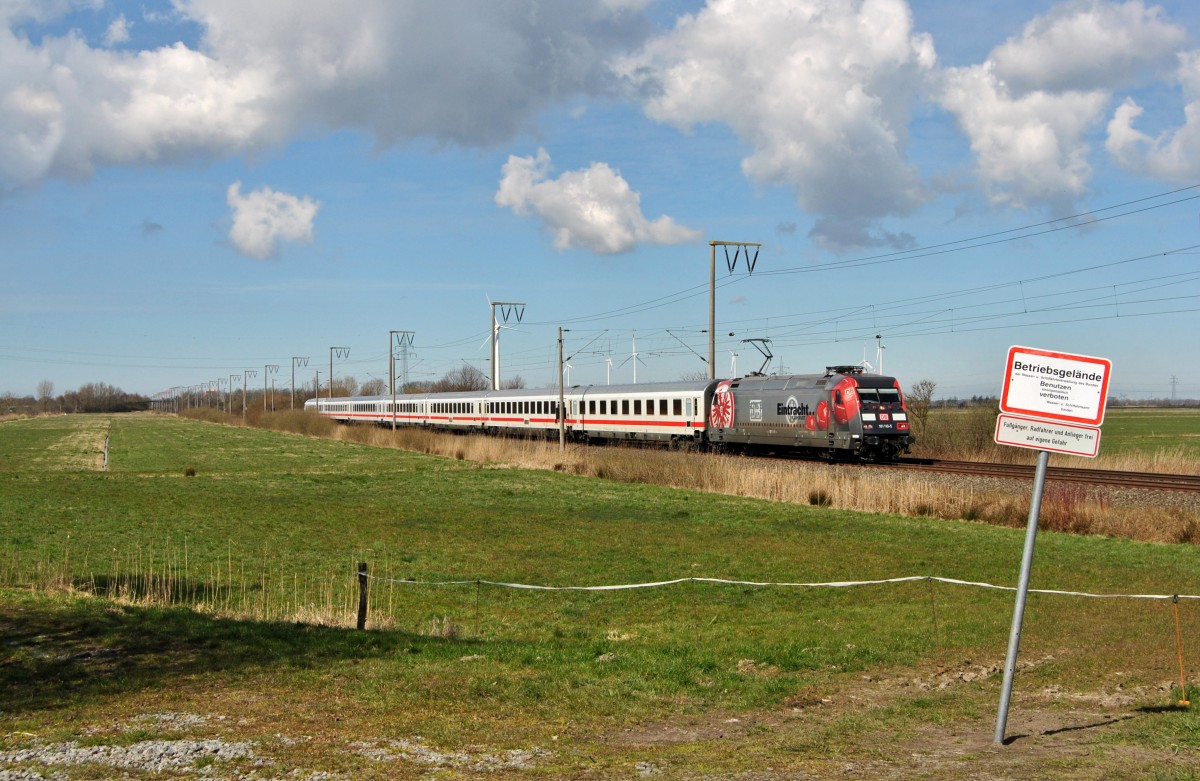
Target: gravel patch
x=148 y=755
x=213 y=759
x=417 y=752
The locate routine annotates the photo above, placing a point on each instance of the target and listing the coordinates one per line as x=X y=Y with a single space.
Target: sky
x=191 y=190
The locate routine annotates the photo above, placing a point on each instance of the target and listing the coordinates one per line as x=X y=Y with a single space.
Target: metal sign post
x=1052 y=401
x=1014 y=634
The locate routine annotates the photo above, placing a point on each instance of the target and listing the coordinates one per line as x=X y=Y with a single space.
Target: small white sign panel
x=1056 y=386
x=1047 y=435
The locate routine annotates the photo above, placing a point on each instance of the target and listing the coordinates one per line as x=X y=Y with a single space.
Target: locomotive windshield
x=879 y=395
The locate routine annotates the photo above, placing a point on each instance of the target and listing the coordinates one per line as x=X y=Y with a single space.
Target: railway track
x=1105 y=477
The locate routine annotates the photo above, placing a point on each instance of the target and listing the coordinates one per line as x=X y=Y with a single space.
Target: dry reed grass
x=1079 y=510
x=1168 y=461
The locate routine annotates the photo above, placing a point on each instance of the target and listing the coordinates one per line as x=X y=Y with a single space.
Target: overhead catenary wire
x=846 y=331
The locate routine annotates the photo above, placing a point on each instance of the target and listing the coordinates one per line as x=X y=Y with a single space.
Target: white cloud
x=457 y=71
x=1174 y=155
x=820 y=89
x=592 y=209
x=1029 y=149
x=1028 y=108
x=118 y=31
x=821 y=92
x=264 y=218
x=1088 y=45
x=69 y=108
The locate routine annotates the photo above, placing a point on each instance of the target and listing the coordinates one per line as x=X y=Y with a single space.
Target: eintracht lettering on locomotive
x=792 y=409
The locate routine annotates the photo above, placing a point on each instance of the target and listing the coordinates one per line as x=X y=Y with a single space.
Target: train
x=843 y=413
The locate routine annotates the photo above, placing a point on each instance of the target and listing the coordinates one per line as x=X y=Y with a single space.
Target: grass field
x=231 y=554
x=1152 y=430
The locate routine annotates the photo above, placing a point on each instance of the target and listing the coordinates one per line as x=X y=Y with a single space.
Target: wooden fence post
x=362 y=595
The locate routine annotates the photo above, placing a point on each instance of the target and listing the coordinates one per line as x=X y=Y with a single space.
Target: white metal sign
x=1056 y=386
x=1047 y=435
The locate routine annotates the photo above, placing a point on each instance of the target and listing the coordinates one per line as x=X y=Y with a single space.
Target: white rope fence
x=762 y=584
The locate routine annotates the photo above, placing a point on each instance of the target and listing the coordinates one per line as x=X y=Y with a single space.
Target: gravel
x=213 y=759
x=148 y=755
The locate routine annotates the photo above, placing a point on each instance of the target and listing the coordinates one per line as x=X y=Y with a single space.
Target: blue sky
x=195 y=188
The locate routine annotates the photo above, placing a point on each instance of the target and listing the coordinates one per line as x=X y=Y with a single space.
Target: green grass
x=1146 y=430
x=280 y=520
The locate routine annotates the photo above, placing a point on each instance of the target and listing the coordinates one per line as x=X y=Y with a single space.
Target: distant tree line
x=92 y=397
x=464 y=378
x=102 y=397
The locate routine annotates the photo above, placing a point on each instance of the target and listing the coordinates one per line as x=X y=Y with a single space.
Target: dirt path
x=82 y=448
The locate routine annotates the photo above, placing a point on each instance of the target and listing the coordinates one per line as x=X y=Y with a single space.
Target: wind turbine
x=733 y=364
x=633 y=356
x=567 y=374
x=865 y=363
x=607 y=360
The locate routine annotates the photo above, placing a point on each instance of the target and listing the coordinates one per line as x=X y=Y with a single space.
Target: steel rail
x=1105 y=477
